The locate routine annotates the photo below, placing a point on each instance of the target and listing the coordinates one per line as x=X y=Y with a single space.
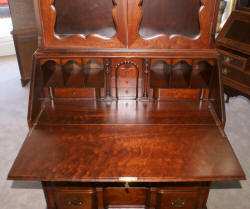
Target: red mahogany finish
x=126 y=106
x=234 y=48
x=104 y=153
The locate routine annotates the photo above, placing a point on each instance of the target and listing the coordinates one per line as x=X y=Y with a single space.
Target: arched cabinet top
x=127 y=24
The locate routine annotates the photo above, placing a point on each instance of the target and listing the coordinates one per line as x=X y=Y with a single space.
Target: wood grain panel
x=185 y=153
x=126 y=196
x=126 y=112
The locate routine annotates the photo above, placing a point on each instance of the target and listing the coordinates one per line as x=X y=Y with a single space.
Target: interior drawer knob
x=178 y=203
x=76 y=202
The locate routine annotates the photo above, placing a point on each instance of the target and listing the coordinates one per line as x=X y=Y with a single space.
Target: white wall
x=6 y=42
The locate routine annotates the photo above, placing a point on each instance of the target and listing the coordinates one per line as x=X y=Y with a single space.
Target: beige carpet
x=28 y=195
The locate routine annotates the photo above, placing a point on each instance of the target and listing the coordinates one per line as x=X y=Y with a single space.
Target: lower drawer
x=126 y=197
x=168 y=199
x=78 y=199
x=110 y=195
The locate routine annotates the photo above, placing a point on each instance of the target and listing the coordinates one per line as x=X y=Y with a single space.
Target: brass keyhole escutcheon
x=227 y=59
x=76 y=202
x=178 y=203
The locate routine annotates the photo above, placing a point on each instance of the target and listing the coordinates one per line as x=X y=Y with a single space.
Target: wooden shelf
x=76 y=112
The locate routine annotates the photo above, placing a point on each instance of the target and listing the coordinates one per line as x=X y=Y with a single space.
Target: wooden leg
x=24 y=82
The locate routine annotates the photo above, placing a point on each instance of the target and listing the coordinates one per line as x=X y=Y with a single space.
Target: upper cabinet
x=131 y=24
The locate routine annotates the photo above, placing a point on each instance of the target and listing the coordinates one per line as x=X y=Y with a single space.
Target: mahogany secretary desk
x=126 y=105
x=234 y=47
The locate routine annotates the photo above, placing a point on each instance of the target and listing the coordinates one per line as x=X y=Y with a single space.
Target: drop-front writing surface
x=128 y=24
x=112 y=152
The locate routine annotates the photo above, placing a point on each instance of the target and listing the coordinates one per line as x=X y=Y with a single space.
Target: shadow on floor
x=26 y=185
x=226 y=185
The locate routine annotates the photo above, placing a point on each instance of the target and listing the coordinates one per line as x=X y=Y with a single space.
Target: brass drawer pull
x=227 y=59
x=76 y=202
x=225 y=71
x=178 y=203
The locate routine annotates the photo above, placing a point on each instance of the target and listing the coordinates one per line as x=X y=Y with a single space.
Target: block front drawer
x=177 y=199
x=79 y=196
x=75 y=198
x=123 y=196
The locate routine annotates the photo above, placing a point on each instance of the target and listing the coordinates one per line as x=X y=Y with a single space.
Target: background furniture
x=24 y=35
x=234 y=46
x=243 y=5
x=126 y=106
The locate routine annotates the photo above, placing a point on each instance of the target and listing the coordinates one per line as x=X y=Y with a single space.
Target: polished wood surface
x=126 y=79
x=166 y=153
x=230 y=37
x=126 y=107
x=138 y=195
x=127 y=16
x=62 y=112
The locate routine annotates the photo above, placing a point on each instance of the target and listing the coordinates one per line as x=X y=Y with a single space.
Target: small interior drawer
x=126 y=82
x=236 y=75
x=168 y=199
x=123 y=92
x=78 y=199
x=125 y=196
x=127 y=72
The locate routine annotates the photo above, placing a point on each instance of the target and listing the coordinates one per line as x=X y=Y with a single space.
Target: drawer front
x=107 y=195
x=123 y=196
x=168 y=199
x=127 y=72
x=126 y=82
x=235 y=62
x=236 y=75
x=71 y=199
x=126 y=93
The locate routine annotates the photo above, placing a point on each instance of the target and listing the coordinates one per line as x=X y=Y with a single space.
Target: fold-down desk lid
x=110 y=153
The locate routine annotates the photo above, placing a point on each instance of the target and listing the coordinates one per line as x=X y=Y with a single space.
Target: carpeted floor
x=28 y=195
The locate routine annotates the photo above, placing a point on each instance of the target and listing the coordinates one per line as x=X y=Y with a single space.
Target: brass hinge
x=36 y=120
x=217 y=121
